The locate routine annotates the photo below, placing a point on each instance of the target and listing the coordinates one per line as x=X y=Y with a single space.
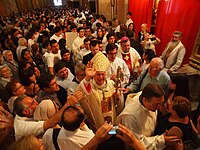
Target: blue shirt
x=161 y=79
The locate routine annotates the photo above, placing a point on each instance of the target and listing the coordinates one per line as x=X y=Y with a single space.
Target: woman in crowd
x=179 y=112
x=26 y=55
x=100 y=34
x=37 y=56
x=178 y=86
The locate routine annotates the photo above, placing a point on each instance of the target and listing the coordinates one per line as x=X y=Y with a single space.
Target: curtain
x=181 y=15
x=141 y=13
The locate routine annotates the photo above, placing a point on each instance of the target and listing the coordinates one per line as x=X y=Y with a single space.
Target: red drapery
x=182 y=15
x=141 y=13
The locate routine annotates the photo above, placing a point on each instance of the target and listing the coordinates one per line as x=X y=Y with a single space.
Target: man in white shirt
x=140 y=116
x=53 y=22
x=78 y=42
x=50 y=58
x=98 y=20
x=63 y=75
x=24 y=124
x=128 y=17
x=74 y=133
x=115 y=62
x=117 y=26
x=57 y=34
x=84 y=51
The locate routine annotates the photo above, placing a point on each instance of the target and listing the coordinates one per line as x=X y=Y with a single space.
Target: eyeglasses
x=18 y=88
x=153 y=68
x=32 y=103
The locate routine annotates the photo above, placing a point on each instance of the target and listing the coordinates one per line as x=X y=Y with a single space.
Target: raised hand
x=102 y=133
x=128 y=137
x=90 y=70
x=78 y=95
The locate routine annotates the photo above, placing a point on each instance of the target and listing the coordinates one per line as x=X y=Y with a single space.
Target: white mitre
x=100 y=62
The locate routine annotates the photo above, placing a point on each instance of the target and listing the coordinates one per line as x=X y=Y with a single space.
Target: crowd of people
x=68 y=76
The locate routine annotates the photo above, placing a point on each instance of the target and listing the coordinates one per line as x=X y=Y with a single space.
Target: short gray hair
x=179 y=33
x=159 y=62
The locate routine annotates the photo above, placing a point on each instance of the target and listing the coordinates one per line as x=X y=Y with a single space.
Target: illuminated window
x=57 y=2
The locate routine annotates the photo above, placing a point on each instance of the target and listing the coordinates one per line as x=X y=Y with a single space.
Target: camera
x=114 y=130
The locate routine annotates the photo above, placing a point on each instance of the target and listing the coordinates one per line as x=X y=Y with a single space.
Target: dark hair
x=53 y=42
x=29 y=34
x=110 y=47
x=44 y=80
x=18 y=105
x=35 y=47
x=64 y=51
x=98 y=25
x=11 y=87
x=182 y=106
x=150 y=54
x=182 y=84
x=110 y=22
x=109 y=35
x=72 y=124
x=129 y=13
x=94 y=43
x=112 y=143
x=59 y=65
x=23 y=53
x=25 y=75
x=152 y=90
x=86 y=40
x=23 y=63
x=97 y=16
x=79 y=29
x=57 y=29
x=46 y=43
x=72 y=26
x=130 y=25
x=62 y=43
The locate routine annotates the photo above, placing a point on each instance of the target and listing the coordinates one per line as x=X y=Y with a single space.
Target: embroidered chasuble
x=127 y=59
x=104 y=97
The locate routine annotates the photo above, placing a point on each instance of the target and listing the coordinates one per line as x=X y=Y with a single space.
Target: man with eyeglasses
x=115 y=62
x=154 y=74
x=174 y=53
x=140 y=116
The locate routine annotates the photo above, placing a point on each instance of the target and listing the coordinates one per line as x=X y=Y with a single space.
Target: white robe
x=141 y=122
x=113 y=70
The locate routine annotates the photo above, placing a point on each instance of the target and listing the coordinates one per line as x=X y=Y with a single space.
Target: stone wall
x=9 y=6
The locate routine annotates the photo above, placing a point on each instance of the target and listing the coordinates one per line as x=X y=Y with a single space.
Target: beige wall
x=104 y=7
x=120 y=9
x=9 y=6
